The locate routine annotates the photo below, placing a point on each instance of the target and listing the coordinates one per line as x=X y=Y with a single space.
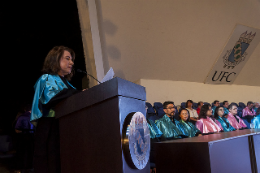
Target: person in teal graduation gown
x=187 y=127
x=154 y=131
x=256 y=120
x=256 y=106
x=215 y=104
x=221 y=120
x=51 y=88
x=168 y=125
x=225 y=106
x=155 y=136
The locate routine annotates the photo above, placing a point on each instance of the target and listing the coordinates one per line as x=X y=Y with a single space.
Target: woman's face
x=209 y=112
x=184 y=115
x=221 y=112
x=189 y=104
x=66 y=64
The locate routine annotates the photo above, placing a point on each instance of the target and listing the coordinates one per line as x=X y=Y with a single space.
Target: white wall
x=176 y=40
x=181 y=91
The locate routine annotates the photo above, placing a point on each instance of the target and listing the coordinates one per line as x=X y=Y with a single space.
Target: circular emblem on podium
x=136 y=140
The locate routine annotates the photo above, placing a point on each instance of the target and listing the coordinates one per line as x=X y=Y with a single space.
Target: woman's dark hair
x=182 y=109
x=216 y=112
x=203 y=111
x=186 y=105
x=28 y=107
x=52 y=61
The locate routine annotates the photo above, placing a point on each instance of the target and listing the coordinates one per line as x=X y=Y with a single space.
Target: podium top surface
x=216 y=137
x=109 y=89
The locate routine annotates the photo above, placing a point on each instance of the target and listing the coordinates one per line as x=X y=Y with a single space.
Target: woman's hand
x=85 y=89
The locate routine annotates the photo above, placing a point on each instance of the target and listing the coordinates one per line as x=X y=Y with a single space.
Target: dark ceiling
x=30 y=29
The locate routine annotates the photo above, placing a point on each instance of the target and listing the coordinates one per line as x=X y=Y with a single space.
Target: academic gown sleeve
x=49 y=90
x=59 y=97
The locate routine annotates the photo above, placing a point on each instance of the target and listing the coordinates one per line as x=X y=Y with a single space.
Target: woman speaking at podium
x=51 y=88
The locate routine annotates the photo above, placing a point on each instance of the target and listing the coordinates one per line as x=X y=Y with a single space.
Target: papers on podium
x=110 y=74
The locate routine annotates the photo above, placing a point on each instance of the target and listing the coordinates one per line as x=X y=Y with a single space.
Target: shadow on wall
x=106 y=27
x=120 y=73
x=113 y=52
x=110 y=28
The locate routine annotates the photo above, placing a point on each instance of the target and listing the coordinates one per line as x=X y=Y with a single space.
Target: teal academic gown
x=188 y=128
x=168 y=128
x=225 y=124
x=46 y=88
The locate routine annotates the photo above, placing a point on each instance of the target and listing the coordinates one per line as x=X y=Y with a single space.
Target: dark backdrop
x=29 y=30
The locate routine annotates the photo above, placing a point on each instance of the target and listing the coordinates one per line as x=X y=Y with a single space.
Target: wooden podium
x=91 y=125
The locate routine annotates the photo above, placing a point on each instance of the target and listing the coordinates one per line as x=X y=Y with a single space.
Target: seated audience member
x=249 y=111
x=221 y=120
x=193 y=113
x=256 y=106
x=225 y=105
x=233 y=119
x=155 y=133
x=200 y=104
x=256 y=120
x=216 y=104
x=25 y=141
x=205 y=124
x=167 y=124
x=185 y=126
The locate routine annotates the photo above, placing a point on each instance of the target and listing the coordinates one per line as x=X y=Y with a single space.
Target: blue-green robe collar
x=226 y=111
x=223 y=121
x=166 y=126
x=154 y=131
x=188 y=128
x=46 y=87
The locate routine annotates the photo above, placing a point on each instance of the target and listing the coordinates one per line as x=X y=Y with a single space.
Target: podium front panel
x=90 y=139
x=257 y=151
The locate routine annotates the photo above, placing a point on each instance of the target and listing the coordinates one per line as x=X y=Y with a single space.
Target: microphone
x=80 y=71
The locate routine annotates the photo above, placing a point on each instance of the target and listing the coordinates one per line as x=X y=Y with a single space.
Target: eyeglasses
x=170 y=108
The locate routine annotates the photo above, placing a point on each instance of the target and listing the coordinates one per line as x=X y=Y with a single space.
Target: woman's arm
x=65 y=93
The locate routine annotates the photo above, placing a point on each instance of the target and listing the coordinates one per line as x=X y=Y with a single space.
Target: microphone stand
x=78 y=70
